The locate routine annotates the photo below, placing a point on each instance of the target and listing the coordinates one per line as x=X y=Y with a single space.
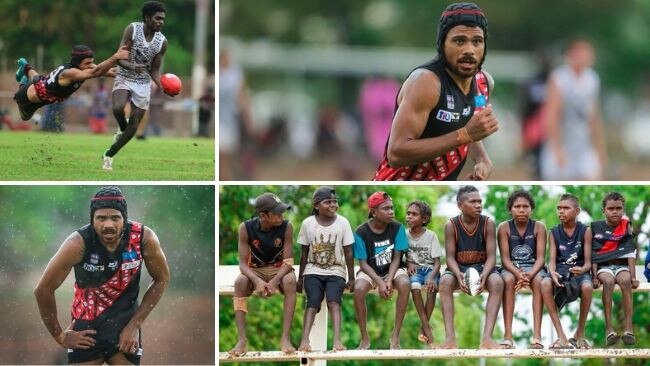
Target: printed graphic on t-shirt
x=322 y=253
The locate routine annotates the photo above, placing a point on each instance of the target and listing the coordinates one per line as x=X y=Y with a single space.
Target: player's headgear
x=468 y=14
x=108 y=197
x=152 y=7
x=80 y=52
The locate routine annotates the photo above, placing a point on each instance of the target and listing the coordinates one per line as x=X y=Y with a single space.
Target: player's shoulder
x=490 y=80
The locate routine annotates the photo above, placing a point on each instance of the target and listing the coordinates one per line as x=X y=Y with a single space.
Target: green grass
x=68 y=156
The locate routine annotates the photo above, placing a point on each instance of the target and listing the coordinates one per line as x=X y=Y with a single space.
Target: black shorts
x=318 y=286
x=26 y=108
x=106 y=343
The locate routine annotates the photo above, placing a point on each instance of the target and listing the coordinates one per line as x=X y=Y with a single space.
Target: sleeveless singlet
x=142 y=52
x=107 y=284
x=610 y=243
x=453 y=111
x=523 y=249
x=50 y=91
x=470 y=246
x=266 y=247
x=570 y=251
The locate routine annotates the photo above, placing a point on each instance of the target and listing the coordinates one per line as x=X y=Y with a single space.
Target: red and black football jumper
x=106 y=289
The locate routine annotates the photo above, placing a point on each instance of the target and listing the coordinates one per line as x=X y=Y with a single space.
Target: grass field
x=36 y=156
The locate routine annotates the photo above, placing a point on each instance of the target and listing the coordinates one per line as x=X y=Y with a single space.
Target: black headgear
x=468 y=14
x=80 y=52
x=108 y=197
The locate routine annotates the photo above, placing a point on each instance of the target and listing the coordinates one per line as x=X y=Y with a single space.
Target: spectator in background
x=234 y=113
x=97 y=118
x=532 y=115
x=376 y=105
x=206 y=111
x=575 y=146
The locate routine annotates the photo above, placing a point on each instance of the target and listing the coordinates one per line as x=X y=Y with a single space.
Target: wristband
x=463 y=136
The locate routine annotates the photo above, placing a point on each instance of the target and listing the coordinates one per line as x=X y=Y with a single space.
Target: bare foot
x=432 y=345
x=394 y=341
x=365 y=344
x=449 y=344
x=394 y=345
x=304 y=346
x=287 y=347
x=240 y=348
x=338 y=346
x=490 y=344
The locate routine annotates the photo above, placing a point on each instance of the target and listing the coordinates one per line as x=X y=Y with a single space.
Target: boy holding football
x=470 y=245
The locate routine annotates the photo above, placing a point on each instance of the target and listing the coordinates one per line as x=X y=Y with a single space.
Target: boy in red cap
x=378 y=245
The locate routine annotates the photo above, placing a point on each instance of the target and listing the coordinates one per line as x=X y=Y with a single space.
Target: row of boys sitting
x=329 y=247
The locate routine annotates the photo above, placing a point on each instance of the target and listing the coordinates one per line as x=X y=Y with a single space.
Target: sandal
x=580 y=343
x=612 y=339
x=559 y=344
x=535 y=344
x=628 y=338
x=507 y=344
x=422 y=338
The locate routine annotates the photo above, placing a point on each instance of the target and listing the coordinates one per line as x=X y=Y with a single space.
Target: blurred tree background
x=55 y=26
x=264 y=324
x=36 y=219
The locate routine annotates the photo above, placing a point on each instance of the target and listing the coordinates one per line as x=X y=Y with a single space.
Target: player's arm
x=156 y=263
x=450 y=250
x=490 y=247
x=287 y=259
x=244 y=252
x=503 y=232
x=70 y=253
x=155 y=66
x=74 y=74
x=540 y=248
x=127 y=41
x=419 y=95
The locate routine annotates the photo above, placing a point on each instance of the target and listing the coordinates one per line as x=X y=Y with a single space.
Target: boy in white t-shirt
x=326 y=239
x=423 y=259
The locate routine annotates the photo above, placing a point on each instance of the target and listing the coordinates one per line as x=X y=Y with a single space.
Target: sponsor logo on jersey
x=94 y=258
x=277 y=242
x=130 y=255
x=467 y=110
x=130 y=265
x=113 y=265
x=447 y=116
x=93 y=268
x=450 y=101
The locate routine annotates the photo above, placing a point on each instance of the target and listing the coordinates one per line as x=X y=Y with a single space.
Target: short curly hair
x=425 y=210
x=613 y=196
x=152 y=7
x=523 y=194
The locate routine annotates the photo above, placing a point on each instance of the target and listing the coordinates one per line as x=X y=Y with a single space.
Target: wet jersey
x=610 y=243
x=266 y=247
x=569 y=249
x=470 y=246
x=107 y=284
x=50 y=91
x=453 y=111
x=143 y=53
x=523 y=248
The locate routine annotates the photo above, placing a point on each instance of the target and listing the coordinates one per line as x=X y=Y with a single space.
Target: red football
x=171 y=83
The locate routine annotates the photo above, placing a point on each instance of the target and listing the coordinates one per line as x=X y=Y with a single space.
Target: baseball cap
x=321 y=194
x=377 y=199
x=271 y=203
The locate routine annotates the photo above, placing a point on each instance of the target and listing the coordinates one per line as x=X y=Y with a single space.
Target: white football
x=472 y=280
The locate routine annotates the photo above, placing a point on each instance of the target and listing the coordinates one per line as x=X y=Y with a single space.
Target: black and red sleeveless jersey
x=266 y=247
x=107 y=284
x=471 y=247
x=453 y=111
x=611 y=242
x=50 y=91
